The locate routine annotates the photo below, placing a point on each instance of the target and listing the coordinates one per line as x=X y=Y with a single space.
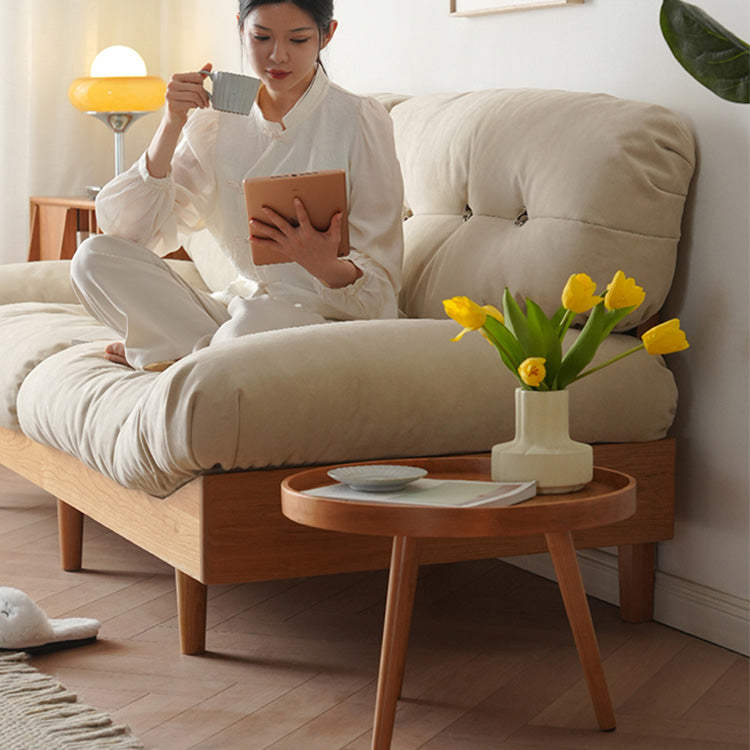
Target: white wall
x=617 y=47
x=195 y=32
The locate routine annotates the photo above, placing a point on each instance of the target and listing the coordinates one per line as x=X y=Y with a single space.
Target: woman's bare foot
x=159 y=366
x=115 y=352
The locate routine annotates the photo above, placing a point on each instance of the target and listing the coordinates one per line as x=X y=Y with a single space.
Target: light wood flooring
x=292 y=664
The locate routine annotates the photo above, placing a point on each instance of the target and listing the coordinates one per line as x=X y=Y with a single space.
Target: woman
x=190 y=178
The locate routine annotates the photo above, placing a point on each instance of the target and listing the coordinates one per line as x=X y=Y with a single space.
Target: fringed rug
x=38 y=713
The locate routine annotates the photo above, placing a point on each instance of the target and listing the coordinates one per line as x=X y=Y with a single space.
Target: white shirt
x=328 y=128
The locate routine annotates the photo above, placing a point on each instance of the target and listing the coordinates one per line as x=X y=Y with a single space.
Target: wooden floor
x=292 y=664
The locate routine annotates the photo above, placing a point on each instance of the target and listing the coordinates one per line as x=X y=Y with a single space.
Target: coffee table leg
x=564 y=559
x=402 y=583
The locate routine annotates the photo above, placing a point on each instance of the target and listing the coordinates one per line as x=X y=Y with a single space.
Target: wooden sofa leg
x=636 y=563
x=191 y=613
x=70 y=531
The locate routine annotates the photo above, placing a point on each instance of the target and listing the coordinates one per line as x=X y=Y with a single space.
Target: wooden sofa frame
x=228 y=527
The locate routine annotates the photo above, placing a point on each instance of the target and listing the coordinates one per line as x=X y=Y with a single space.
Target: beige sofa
x=517 y=188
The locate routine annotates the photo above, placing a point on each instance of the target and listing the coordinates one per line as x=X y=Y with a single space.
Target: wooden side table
x=58 y=225
x=610 y=497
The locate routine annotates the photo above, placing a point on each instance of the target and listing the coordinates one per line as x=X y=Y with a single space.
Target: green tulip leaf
x=536 y=347
x=584 y=347
x=507 y=362
x=548 y=342
x=503 y=340
x=516 y=321
x=558 y=317
x=612 y=319
x=711 y=54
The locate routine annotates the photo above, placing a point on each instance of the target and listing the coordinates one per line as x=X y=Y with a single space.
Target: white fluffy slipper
x=25 y=627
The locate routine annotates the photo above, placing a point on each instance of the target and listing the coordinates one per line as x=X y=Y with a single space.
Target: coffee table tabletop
x=608 y=498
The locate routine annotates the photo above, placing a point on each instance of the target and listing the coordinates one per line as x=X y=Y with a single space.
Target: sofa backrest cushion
x=522 y=188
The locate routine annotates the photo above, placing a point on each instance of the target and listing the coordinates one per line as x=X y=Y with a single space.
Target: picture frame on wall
x=485 y=7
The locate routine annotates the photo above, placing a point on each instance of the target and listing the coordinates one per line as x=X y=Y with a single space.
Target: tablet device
x=323 y=194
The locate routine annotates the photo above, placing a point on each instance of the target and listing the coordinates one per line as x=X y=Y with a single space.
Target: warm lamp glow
x=118 y=83
x=117 y=61
x=122 y=94
x=118 y=92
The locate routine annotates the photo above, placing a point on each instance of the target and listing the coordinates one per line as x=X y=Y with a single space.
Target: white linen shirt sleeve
x=375 y=222
x=153 y=211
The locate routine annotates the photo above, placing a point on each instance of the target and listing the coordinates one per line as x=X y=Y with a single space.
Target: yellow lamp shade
x=118 y=94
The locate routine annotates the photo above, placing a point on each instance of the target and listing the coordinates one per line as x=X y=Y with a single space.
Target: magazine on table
x=446 y=493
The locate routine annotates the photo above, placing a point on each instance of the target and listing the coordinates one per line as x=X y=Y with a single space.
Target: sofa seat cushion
x=335 y=392
x=40 y=315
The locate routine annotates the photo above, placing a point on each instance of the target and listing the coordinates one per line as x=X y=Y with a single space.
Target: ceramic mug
x=232 y=92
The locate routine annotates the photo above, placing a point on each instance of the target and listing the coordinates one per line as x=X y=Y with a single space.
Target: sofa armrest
x=49 y=280
x=40 y=281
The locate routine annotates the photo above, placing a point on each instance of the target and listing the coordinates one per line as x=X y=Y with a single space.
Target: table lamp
x=118 y=92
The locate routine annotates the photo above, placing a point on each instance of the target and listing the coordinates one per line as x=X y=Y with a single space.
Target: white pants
x=159 y=316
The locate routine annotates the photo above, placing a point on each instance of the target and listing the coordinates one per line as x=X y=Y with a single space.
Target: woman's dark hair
x=320 y=10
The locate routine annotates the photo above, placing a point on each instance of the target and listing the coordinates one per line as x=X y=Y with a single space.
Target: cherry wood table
x=608 y=498
x=59 y=224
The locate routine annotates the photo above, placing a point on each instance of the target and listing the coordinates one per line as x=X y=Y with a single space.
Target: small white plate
x=378 y=477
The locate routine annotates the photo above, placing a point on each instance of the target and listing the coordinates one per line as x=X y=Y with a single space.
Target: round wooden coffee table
x=608 y=498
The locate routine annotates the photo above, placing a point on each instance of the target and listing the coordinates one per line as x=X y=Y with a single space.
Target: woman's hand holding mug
x=185 y=91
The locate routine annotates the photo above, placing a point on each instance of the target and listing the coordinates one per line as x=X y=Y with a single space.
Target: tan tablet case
x=323 y=194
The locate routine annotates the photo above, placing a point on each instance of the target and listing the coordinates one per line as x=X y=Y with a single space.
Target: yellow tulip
x=532 y=370
x=578 y=295
x=665 y=338
x=469 y=314
x=623 y=292
x=493 y=312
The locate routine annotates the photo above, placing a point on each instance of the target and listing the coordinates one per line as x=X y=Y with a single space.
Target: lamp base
x=119 y=122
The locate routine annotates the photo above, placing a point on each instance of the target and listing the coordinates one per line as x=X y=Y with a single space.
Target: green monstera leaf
x=712 y=55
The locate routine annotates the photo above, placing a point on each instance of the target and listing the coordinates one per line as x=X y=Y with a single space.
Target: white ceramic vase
x=542 y=448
